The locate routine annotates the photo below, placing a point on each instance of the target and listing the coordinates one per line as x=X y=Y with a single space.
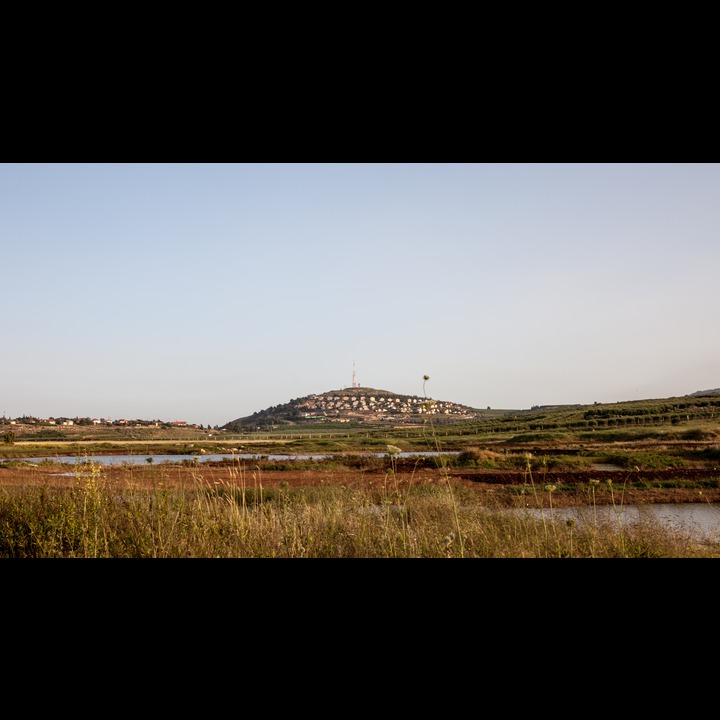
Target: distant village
x=341 y=406
x=87 y=421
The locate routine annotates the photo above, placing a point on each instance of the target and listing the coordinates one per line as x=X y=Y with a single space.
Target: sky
x=205 y=292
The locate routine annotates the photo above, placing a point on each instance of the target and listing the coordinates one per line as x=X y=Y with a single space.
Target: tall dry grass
x=233 y=515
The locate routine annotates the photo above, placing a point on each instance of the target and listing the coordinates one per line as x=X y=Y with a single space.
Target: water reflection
x=208 y=457
x=699 y=520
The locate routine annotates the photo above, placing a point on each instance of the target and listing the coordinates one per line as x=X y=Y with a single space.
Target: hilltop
x=363 y=405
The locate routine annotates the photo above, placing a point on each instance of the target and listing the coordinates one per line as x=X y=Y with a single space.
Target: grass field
x=364 y=499
x=237 y=511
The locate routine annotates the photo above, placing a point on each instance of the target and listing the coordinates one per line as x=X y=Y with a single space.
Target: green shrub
x=698 y=434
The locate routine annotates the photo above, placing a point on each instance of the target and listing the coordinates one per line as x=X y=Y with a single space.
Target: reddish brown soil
x=500 y=488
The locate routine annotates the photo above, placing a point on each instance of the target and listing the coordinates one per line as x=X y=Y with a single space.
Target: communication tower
x=354 y=383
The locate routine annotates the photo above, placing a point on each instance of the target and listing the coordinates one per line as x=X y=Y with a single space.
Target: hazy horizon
x=206 y=292
x=340 y=389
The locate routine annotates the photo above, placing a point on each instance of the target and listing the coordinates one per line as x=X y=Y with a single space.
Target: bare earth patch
x=506 y=489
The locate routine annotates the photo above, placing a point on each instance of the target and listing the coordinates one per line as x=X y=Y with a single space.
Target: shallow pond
x=699 y=520
x=209 y=457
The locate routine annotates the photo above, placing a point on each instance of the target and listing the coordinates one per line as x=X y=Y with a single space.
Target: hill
x=370 y=406
x=361 y=405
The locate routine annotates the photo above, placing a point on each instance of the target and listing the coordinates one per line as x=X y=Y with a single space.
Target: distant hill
x=370 y=406
x=362 y=405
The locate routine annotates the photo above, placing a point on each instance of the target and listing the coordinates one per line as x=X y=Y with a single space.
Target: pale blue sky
x=207 y=291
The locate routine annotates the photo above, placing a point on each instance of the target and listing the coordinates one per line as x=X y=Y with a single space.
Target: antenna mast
x=354 y=381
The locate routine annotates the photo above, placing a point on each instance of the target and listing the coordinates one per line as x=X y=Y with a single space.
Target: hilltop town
x=359 y=405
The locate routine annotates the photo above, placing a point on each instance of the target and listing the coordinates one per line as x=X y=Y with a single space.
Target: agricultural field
x=652 y=448
x=453 y=490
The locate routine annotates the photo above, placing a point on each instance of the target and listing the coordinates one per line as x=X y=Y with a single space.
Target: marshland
x=506 y=486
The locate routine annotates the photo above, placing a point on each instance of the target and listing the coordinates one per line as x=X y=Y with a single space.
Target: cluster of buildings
x=342 y=406
x=28 y=420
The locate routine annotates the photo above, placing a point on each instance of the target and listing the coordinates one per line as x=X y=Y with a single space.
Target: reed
x=229 y=512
